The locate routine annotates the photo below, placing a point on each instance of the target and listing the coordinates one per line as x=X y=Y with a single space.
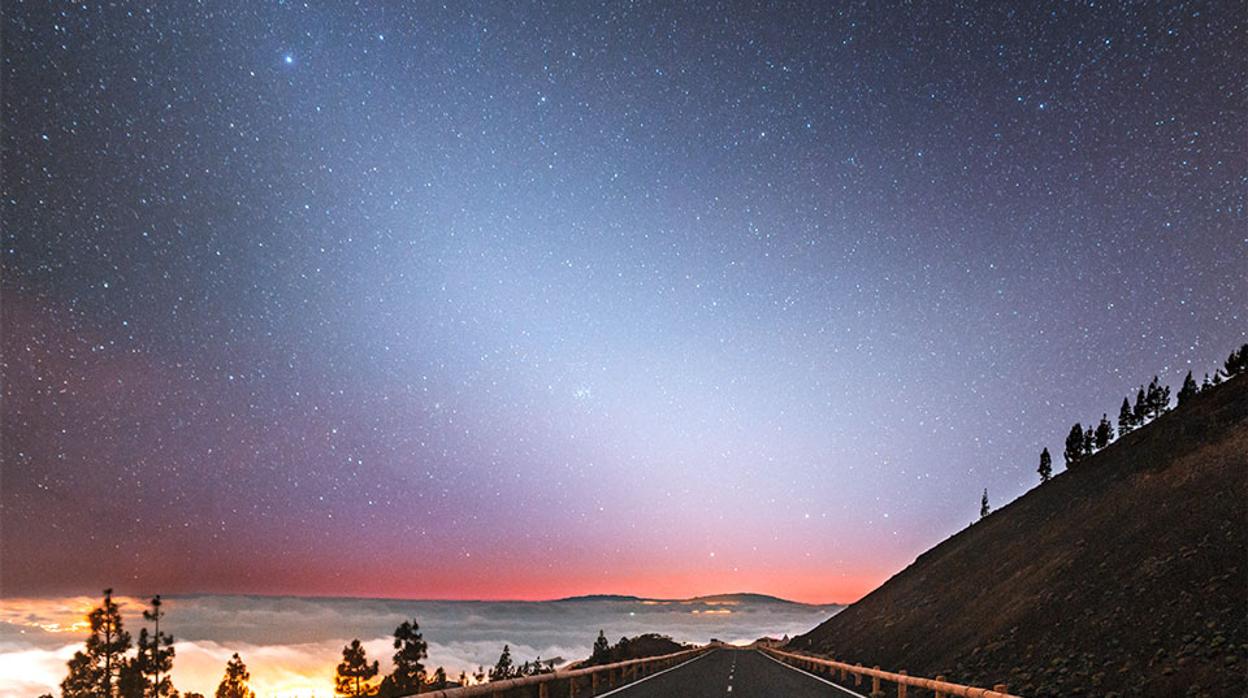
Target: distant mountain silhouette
x=743 y=597
x=1124 y=576
x=597 y=597
x=724 y=599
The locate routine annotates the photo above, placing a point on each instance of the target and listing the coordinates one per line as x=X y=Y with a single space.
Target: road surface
x=727 y=673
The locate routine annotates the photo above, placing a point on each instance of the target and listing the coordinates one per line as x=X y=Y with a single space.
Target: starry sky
x=523 y=300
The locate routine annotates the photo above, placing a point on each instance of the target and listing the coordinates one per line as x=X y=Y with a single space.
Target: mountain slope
x=1124 y=576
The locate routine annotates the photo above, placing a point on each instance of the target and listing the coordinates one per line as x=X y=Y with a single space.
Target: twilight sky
x=523 y=301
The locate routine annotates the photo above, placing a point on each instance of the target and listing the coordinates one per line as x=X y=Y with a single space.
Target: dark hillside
x=1125 y=576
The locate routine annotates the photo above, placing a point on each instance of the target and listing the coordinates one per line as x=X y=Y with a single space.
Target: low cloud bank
x=291 y=645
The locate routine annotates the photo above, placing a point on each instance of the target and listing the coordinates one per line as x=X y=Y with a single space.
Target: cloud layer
x=292 y=644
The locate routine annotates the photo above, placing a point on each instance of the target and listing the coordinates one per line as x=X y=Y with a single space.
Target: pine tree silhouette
x=504 y=668
x=1237 y=362
x=1189 y=389
x=602 y=650
x=84 y=679
x=131 y=683
x=1074 y=445
x=95 y=673
x=984 y=509
x=235 y=682
x=408 y=675
x=1140 y=411
x=1104 y=432
x=156 y=653
x=1157 y=399
x=354 y=672
x=1046 y=466
x=1126 y=422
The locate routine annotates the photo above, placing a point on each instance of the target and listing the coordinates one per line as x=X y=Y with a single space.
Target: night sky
x=523 y=301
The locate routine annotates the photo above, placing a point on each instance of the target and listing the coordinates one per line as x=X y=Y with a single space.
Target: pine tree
x=1158 y=398
x=84 y=679
x=235 y=682
x=1237 y=362
x=1205 y=384
x=131 y=682
x=602 y=650
x=1104 y=432
x=1089 y=441
x=106 y=648
x=1125 y=421
x=354 y=672
x=1046 y=466
x=984 y=509
x=439 y=679
x=1189 y=389
x=409 y=674
x=1140 y=411
x=1074 y=446
x=504 y=668
x=156 y=653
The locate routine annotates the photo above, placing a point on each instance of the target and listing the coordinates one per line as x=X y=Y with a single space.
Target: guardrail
x=586 y=681
x=903 y=680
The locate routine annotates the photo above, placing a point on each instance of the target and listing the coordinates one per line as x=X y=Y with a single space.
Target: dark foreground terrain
x=1126 y=576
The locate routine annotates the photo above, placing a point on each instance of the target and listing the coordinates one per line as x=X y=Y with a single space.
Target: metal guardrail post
x=941 y=678
x=875 y=685
x=901 y=687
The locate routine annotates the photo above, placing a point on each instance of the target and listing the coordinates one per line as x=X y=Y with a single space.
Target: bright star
x=288 y=59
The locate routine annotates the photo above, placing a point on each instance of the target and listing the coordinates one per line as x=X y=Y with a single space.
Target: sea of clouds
x=291 y=644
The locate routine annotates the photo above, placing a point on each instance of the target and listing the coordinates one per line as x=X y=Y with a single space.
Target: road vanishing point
x=732 y=673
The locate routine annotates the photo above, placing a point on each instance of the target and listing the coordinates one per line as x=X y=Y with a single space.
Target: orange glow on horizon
x=818 y=589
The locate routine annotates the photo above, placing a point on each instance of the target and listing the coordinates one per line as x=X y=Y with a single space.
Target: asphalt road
x=727 y=673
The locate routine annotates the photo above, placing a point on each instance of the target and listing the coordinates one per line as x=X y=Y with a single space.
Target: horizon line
x=366 y=597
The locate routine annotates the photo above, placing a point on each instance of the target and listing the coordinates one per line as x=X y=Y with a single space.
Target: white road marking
x=813 y=676
x=621 y=689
